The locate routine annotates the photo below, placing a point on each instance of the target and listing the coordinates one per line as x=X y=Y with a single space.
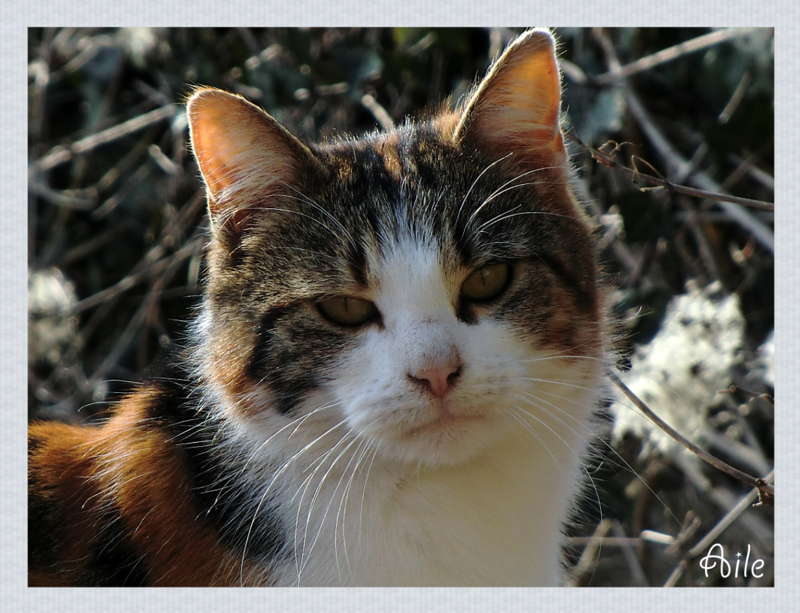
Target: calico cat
x=392 y=377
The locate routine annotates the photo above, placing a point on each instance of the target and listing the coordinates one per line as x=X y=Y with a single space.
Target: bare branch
x=759 y=484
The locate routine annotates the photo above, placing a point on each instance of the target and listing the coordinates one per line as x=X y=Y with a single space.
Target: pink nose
x=439 y=379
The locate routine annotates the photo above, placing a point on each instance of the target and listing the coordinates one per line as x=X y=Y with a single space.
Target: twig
x=153 y=262
x=671 y=53
x=634 y=565
x=607 y=160
x=736 y=98
x=125 y=339
x=744 y=503
x=762 y=233
x=648 y=536
x=64 y=198
x=378 y=112
x=702 y=545
x=86 y=248
x=763 y=177
x=701 y=453
x=590 y=554
x=60 y=154
x=130 y=281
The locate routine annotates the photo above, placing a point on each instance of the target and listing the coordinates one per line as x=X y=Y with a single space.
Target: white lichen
x=679 y=373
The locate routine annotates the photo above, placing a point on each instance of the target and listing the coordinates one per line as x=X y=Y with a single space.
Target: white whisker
x=469 y=191
x=275 y=477
x=343 y=503
x=580 y=460
x=497 y=192
x=515 y=413
x=510 y=214
x=606 y=443
x=305 y=485
x=303 y=556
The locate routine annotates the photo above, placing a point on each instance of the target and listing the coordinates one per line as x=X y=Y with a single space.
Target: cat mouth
x=443 y=424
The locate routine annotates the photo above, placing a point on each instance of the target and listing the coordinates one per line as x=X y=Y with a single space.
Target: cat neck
x=352 y=517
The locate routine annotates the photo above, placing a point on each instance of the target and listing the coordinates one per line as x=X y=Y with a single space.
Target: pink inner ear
x=527 y=100
x=517 y=107
x=238 y=147
x=211 y=121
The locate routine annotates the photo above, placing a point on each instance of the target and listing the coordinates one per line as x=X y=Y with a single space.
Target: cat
x=392 y=377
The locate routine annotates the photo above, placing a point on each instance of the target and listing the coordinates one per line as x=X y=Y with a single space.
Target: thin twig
x=607 y=160
x=378 y=112
x=701 y=453
x=588 y=560
x=744 y=503
x=646 y=536
x=634 y=565
x=672 y=53
x=130 y=281
x=60 y=154
x=702 y=545
x=763 y=234
x=154 y=261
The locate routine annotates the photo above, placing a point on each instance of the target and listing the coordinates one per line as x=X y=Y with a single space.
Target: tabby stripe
x=584 y=297
x=267 y=366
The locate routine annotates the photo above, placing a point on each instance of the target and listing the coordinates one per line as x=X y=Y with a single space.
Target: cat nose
x=438 y=378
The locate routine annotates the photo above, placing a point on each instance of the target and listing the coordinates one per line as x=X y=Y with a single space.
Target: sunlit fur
x=309 y=449
x=383 y=495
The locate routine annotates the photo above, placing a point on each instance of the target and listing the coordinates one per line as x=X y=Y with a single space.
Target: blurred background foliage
x=117 y=218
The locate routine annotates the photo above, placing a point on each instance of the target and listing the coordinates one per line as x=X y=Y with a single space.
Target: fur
x=284 y=448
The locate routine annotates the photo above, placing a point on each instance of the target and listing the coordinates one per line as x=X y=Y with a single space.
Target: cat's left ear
x=516 y=108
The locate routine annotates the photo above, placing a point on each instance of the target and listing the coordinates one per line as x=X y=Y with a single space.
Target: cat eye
x=347 y=311
x=486 y=282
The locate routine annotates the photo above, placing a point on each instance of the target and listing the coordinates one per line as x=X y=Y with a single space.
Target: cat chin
x=442 y=443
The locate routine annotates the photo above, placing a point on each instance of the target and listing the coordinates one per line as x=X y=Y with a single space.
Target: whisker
x=300 y=419
x=475 y=182
x=311 y=251
x=353 y=457
x=304 y=486
x=500 y=218
x=327 y=508
x=496 y=193
x=580 y=461
x=310 y=202
x=344 y=501
x=278 y=473
x=364 y=493
x=557 y=382
x=515 y=414
x=293 y=212
x=606 y=443
x=611 y=363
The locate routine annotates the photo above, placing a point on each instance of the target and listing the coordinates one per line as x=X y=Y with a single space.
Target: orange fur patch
x=138 y=472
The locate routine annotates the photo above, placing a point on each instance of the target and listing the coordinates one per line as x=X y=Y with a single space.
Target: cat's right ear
x=516 y=108
x=245 y=156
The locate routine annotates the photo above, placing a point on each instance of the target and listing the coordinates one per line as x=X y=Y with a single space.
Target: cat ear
x=516 y=107
x=243 y=154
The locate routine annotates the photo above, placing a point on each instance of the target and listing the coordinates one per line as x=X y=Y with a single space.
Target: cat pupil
x=347 y=311
x=486 y=282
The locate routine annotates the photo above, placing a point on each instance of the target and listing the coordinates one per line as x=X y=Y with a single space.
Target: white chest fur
x=495 y=520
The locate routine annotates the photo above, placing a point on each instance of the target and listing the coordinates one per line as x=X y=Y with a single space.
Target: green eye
x=486 y=282
x=347 y=311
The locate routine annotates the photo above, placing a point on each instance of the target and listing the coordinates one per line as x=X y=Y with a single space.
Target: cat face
x=425 y=289
x=432 y=384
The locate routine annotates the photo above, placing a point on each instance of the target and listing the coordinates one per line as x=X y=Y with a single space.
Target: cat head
x=422 y=288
